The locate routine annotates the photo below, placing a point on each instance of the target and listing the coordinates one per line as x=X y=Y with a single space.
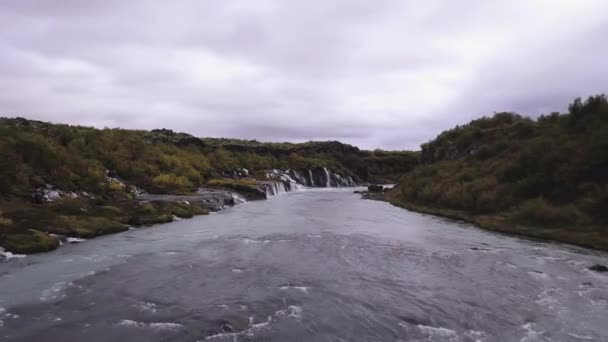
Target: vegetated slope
x=34 y=153
x=545 y=178
x=99 y=172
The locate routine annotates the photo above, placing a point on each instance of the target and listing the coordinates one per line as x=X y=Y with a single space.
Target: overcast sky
x=386 y=73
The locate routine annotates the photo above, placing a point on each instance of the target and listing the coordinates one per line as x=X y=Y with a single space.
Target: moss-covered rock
x=86 y=226
x=183 y=209
x=28 y=241
x=247 y=187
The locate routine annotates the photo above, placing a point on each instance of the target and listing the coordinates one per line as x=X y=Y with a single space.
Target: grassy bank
x=544 y=177
x=30 y=228
x=585 y=236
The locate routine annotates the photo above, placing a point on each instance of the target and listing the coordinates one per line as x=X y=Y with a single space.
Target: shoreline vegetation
x=588 y=237
x=544 y=178
x=62 y=183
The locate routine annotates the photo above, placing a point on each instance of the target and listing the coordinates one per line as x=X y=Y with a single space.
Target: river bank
x=585 y=236
x=53 y=216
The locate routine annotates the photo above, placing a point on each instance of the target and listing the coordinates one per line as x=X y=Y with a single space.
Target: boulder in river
x=598 y=268
x=375 y=188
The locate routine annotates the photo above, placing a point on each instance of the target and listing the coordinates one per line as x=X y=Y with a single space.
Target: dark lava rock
x=226 y=328
x=375 y=188
x=598 y=268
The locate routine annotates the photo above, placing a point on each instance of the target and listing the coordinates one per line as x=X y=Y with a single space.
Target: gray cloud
x=387 y=73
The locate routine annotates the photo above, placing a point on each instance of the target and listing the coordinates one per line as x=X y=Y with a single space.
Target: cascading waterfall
x=288 y=183
x=327 y=178
x=237 y=198
x=281 y=181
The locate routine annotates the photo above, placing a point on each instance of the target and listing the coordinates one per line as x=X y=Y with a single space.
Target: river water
x=314 y=265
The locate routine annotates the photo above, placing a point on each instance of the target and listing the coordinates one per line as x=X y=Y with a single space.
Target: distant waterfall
x=281 y=181
x=327 y=178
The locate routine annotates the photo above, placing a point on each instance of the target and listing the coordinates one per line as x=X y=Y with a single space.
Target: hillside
x=83 y=182
x=545 y=178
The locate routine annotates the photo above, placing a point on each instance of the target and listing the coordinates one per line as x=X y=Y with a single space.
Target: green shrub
x=28 y=241
x=539 y=212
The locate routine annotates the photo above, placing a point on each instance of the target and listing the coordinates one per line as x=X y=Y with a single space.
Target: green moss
x=145 y=220
x=247 y=187
x=86 y=226
x=28 y=241
x=183 y=210
x=590 y=236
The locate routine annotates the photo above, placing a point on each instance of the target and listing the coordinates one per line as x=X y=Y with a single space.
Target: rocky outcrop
x=211 y=199
x=50 y=194
x=375 y=188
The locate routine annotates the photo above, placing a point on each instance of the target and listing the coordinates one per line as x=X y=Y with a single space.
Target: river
x=313 y=265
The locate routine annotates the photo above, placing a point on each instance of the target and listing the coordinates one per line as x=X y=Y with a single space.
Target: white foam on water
x=155 y=325
x=509 y=265
x=146 y=307
x=581 y=337
x=74 y=240
x=475 y=335
x=175 y=218
x=4 y=315
x=237 y=270
x=576 y=263
x=9 y=255
x=165 y=325
x=54 y=292
x=249 y=332
x=539 y=276
x=532 y=335
x=299 y=288
x=547 y=298
x=291 y=311
x=437 y=332
x=249 y=241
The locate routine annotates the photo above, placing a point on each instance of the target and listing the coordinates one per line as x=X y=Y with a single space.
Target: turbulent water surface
x=314 y=265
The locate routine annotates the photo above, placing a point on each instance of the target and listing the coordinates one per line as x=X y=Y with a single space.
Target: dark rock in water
x=587 y=283
x=372 y=195
x=226 y=328
x=375 y=188
x=598 y=268
x=356 y=192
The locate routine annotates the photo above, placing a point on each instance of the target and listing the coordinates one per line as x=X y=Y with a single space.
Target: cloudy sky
x=384 y=73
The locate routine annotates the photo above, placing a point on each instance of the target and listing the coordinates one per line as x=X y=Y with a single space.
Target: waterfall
x=289 y=184
x=281 y=181
x=327 y=178
x=237 y=197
